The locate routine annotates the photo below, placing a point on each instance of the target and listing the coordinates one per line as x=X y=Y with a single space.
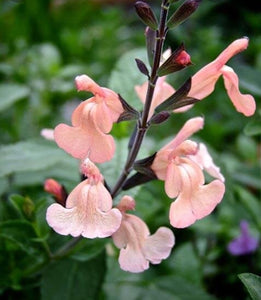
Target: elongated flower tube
x=204 y=81
x=88 y=210
x=138 y=247
x=180 y=164
x=92 y=120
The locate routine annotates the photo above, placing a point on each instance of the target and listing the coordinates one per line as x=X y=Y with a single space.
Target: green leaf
x=31 y=155
x=253 y=284
x=126 y=75
x=163 y=287
x=11 y=93
x=253 y=127
x=20 y=234
x=185 y=263
x=69 y=279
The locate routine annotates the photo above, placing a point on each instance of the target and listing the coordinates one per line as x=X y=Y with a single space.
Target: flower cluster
x=88 y=210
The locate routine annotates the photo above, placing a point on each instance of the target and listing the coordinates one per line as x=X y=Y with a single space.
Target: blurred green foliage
x=44 y=45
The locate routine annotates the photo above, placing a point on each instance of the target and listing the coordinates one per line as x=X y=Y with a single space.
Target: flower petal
x=64 y=221
x=85 y=83
x=191 y=126
x=186 y=210
x=80 y=143
x=205 y=161
x=203 y=82
x=243 y=103
x=173 y=181
x=158 y=246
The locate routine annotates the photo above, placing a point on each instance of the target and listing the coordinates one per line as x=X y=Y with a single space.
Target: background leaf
x=125 y=76
x=11 y=93
x=69 y=279
x=253 y=284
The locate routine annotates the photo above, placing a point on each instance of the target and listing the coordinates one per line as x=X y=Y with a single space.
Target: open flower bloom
x=245 y=243
x=180 y=164
x=138 y=247
x=92 y=120
x=88 y=210
x=203 y=83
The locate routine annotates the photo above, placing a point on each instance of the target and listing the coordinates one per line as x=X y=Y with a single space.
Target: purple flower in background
x=245 y=243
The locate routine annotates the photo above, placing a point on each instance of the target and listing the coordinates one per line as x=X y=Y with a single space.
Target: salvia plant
x=95 y=209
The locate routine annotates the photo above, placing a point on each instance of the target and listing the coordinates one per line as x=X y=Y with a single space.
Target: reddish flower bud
x=54 y=188
x=178 y=60
x=183 y=58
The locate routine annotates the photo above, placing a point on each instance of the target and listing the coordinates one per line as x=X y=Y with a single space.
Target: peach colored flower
x=180 y=164
x=203 y=83
x=88 y=210
x=92 y=120
x=138 y=247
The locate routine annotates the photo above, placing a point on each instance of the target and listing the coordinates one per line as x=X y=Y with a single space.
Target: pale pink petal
x=159 y=245
x=64 y=221
x=81 y=114
x=185 y=210
x=205 y=161
x=206 y=198
x=130 y=237
x=112 y=101
x=138 y=248
x=80 y=143
x=243 y=103
x=102 y=117
x=191 y=126
x=173 y=181
x=160 y=163
x=203 y=82
x=47 y=133
x=88 y=212
x=132 y=260
x=181 y=214
x=85 y=83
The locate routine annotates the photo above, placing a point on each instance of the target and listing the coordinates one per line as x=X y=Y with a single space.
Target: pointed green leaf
x=253 y=284
x=31 y=155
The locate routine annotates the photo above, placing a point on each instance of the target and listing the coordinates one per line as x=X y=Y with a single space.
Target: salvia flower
x=92 y=120
x=180 y=164
x=88 y=210
x=245 y=243
x=138 y=247
x=203 y=82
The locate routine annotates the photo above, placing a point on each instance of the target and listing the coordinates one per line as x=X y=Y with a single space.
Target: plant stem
x=142 y=124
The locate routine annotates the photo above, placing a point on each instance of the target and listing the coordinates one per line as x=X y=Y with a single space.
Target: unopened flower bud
x=178 y=60
x=54 y=188
x=183 y=12
x=159 y=118
x=146 y=14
